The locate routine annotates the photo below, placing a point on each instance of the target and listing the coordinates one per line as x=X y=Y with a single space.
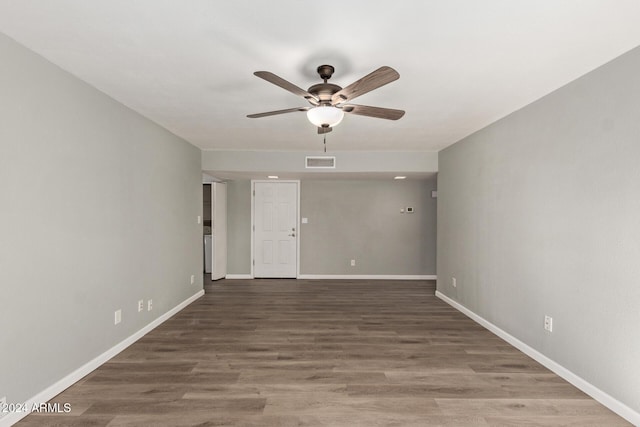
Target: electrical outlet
x=353 y=263
x=193 y=279
x=149 y=305
x=454 y=282
x=117 y=317
x=548 y=323
x=140 y=305
x=199 y=219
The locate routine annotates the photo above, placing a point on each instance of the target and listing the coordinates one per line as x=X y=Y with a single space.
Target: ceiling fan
x=329 y=101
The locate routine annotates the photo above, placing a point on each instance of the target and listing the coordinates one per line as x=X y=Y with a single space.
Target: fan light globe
x=325 y=116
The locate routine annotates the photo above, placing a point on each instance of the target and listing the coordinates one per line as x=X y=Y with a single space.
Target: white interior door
x=275 y=241
x=219 y=230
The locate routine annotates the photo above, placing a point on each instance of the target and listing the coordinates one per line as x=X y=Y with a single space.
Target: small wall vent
x=320 y=162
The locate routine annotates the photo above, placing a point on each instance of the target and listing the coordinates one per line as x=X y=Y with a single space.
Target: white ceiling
x=188 y=65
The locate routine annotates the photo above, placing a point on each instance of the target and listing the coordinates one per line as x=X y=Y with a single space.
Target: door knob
x=292 y=235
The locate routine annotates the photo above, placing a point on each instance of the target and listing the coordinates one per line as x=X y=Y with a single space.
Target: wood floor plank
x=555 y=421
x=228 y=405
x=322 y=403
x=518 y=407
x=323 y=353
x=66 y=421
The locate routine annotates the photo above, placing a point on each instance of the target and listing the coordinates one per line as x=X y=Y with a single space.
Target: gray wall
x=98 y=209
x=539 y=214
x=239 y=227
x=352 y=219
x=361 y=220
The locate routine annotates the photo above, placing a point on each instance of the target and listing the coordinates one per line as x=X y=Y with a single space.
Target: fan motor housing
x=324 y=91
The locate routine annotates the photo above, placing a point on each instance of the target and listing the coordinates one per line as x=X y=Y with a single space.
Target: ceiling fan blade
x=377 y=112
x=273 y=113
x=374 y=80
x=323 y=130
x=279 y=81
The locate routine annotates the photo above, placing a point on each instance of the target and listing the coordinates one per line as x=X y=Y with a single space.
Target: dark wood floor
x=323 y=353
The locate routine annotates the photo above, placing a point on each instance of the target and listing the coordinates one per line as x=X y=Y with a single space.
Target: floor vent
x=320 y=162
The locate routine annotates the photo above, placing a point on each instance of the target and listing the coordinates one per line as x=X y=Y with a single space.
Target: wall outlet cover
x=193 y=279
x=353 y=263
x=117 y=317
x=454 y=282
x=149 y=305
x=140 y=305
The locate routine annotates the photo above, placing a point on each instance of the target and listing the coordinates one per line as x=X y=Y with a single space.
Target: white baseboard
x=238 y=276
x=57 y=388
x=610 y=402
x=346 y=276
x=367 y=276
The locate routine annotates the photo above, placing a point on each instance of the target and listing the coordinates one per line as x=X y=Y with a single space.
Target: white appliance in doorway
x=275 y=229
x=208 y=253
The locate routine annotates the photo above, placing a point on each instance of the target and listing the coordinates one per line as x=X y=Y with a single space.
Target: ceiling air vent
x=320 y=162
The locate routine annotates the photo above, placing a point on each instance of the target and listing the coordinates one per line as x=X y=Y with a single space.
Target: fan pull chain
x=325 y=143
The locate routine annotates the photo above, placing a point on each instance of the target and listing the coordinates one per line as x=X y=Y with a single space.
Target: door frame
x=253 y=226
x=219 y=238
